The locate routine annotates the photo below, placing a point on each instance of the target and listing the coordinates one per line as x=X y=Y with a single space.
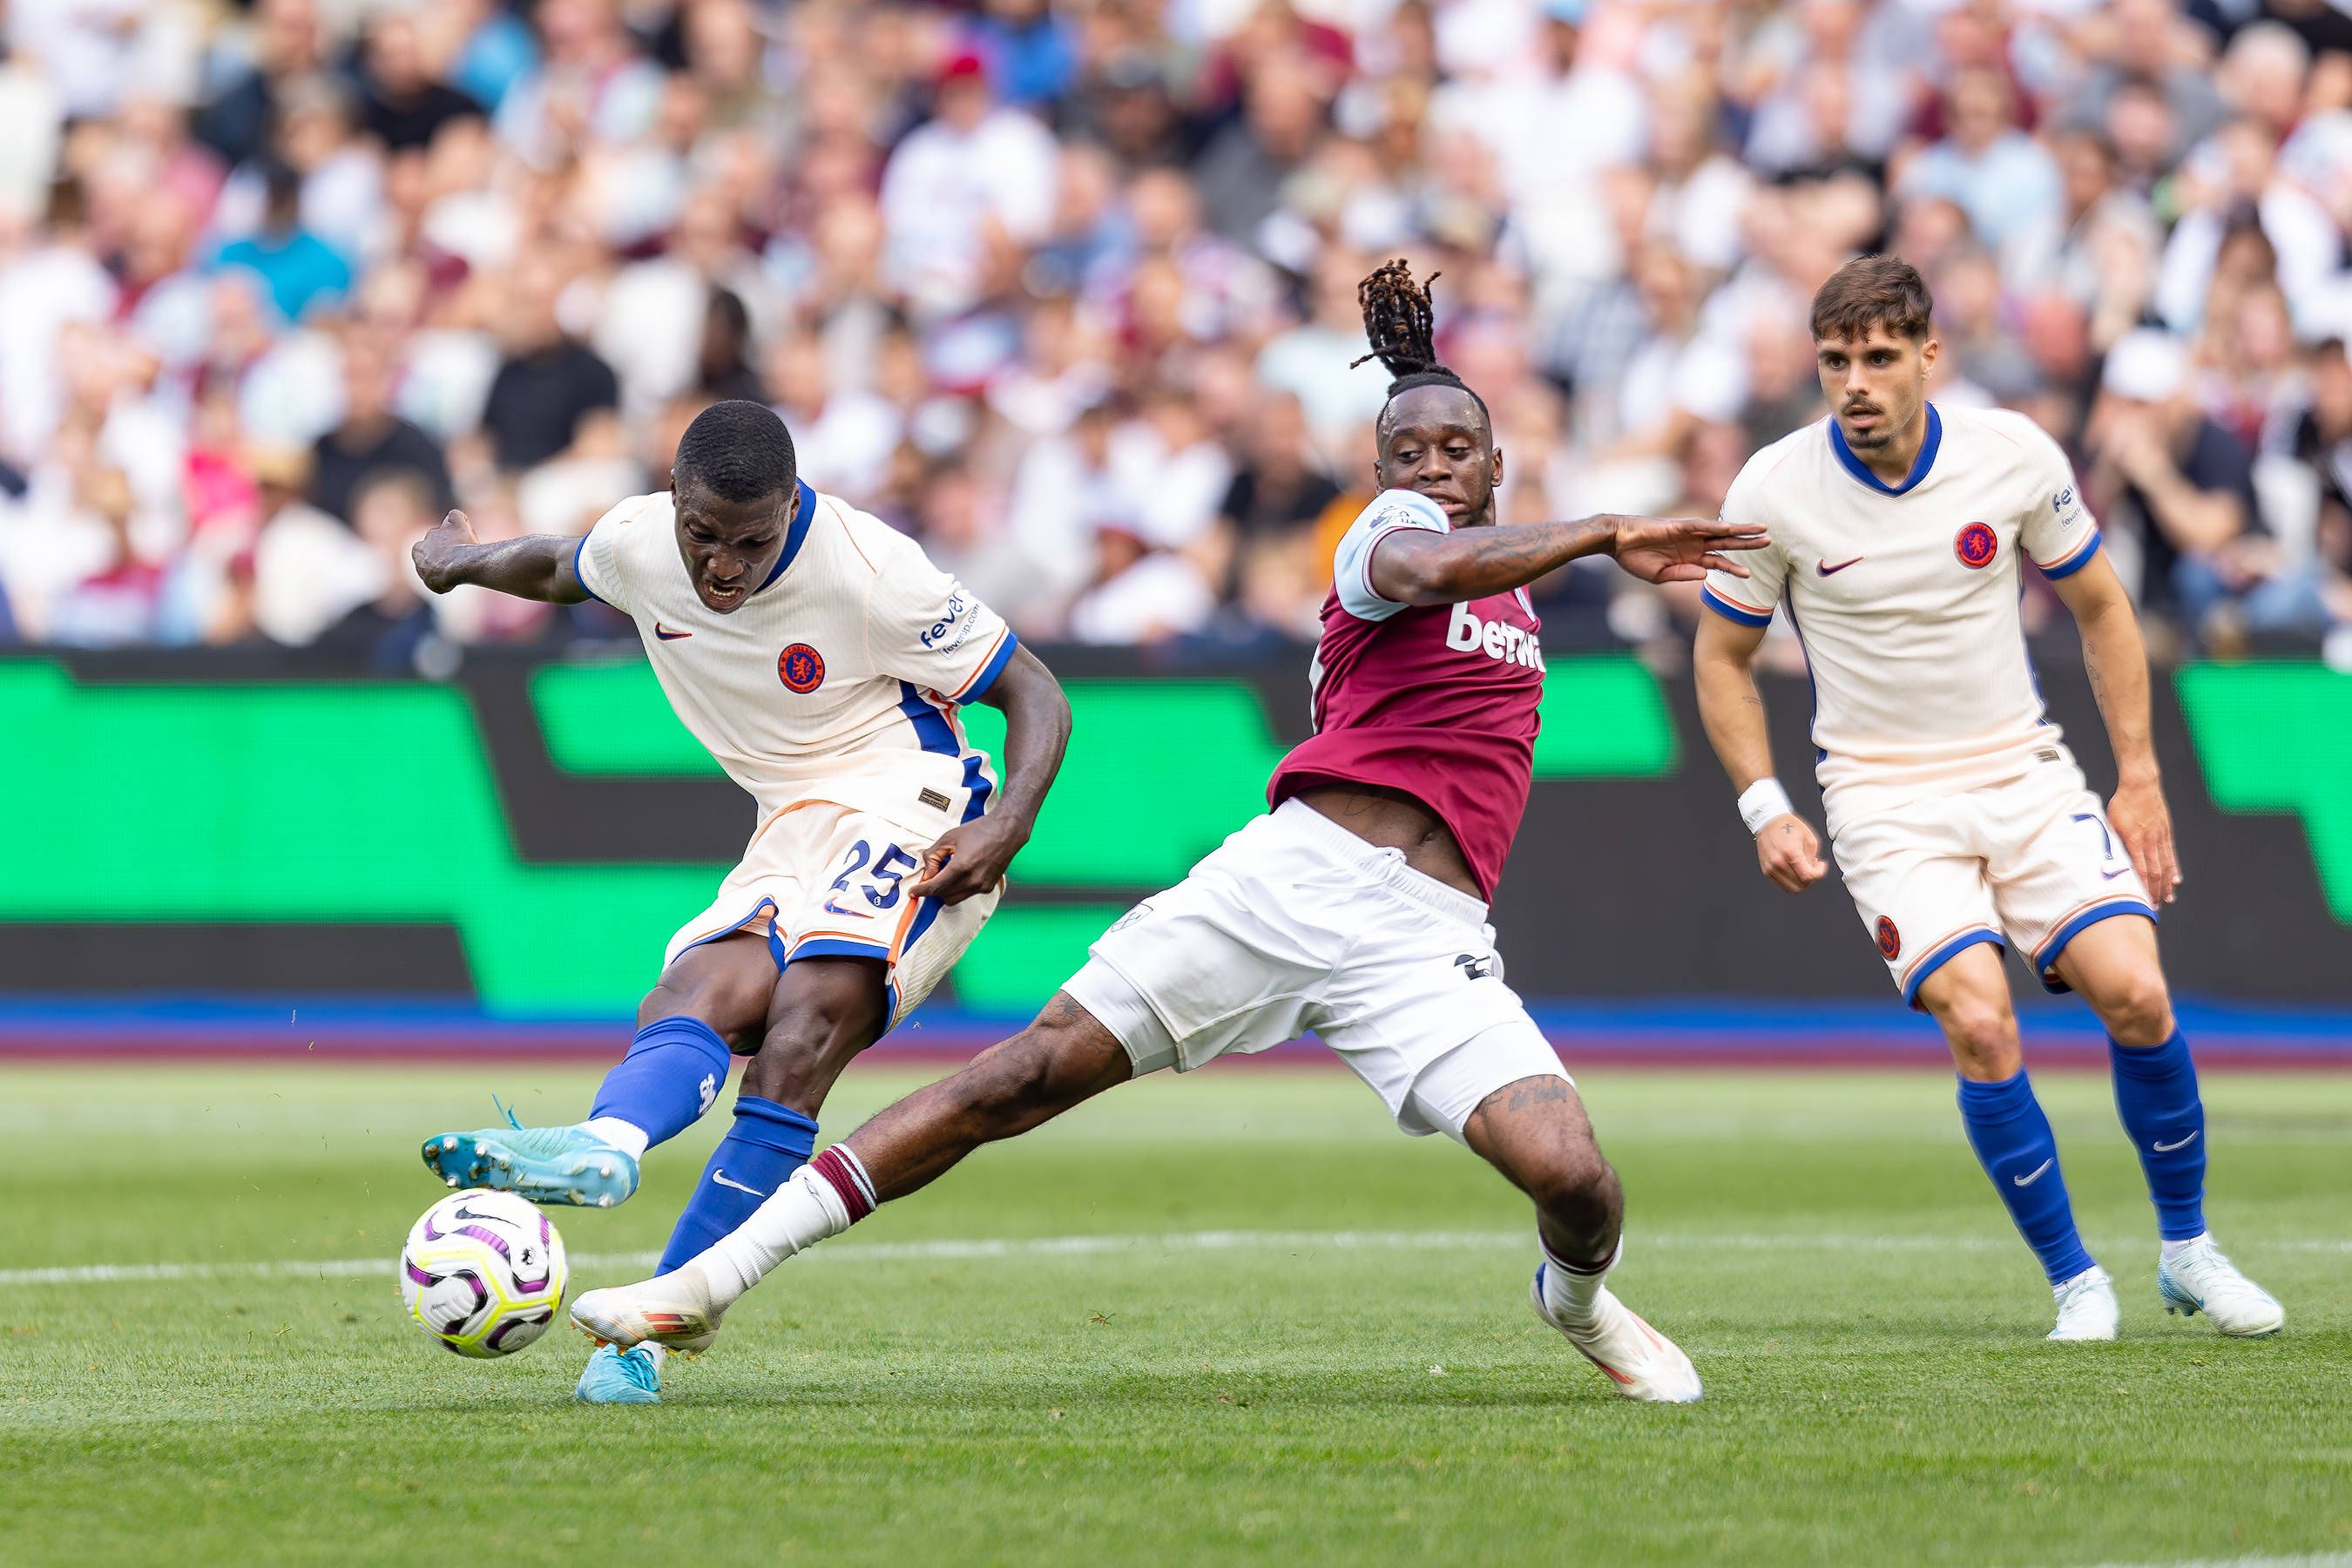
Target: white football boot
x=1642 y=1363
x=2086 y=1307
x=672 y=1309
x=2201 y=1281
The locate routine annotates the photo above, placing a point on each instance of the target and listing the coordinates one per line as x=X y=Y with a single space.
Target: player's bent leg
x=2115 y=967
x=710 y=995
x=1064 y=1057
x=1535 y=1132
x=1968 y=998
x=822 y=1014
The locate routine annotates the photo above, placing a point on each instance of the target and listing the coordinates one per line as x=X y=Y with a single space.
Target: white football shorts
x=2030 y=860
x=1296 y=924
x=821 y=880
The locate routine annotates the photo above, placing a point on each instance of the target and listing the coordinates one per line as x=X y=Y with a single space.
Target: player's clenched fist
x=438 y=552
x=1790 y=853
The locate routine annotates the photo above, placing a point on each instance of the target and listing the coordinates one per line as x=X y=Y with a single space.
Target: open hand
x=1684 y=549
x=969 y=860
x=2140 y=819
x=440 y=552
x=1790 y=852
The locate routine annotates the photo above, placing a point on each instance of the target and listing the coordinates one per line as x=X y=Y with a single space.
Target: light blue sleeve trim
x=1351 y=564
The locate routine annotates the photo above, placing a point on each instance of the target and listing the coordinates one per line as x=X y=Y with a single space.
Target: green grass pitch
x=1230 y=1317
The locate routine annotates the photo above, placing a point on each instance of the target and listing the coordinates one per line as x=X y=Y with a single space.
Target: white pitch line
x=988 y=1247
x=2315 y=1560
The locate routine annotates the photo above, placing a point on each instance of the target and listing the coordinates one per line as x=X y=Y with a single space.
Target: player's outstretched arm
x=1788 y=850
x=536 y=566
x=2117 y=661
x=1417 y=567
x=973 y=858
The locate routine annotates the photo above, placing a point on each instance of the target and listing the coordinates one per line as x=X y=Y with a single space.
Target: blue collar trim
x=803 y=513
x=1919 y=464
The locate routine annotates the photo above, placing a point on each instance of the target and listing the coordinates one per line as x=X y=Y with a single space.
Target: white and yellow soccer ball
x=483 y=1272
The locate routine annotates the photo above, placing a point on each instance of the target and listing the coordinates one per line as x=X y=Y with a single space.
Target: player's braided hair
x=1400 y=324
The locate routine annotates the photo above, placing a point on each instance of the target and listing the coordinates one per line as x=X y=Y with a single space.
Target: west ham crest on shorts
x=1977 y=545
x=1890 y=941
x=801 y=668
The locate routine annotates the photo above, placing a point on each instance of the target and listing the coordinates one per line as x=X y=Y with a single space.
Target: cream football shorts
x=1293 y=925
x=2031 y=861
x=820 y=881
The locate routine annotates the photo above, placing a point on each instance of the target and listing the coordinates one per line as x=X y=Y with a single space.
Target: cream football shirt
x=838 y=680
x=1907 y=596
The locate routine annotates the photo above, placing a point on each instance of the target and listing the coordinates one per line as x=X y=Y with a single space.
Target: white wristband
x=1762 y=801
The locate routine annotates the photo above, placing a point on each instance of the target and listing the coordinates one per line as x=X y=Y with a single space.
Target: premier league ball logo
x=1977 y=545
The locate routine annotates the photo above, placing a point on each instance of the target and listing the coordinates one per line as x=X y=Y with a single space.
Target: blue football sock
x=672 y=1074
x=2015 y=1146
x=769 y=1142
x=2156 y=1095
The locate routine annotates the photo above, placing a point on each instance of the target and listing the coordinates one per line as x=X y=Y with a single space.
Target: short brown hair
x=1874 y=292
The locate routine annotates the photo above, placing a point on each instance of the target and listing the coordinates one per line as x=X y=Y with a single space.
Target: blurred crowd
x=1067 y=288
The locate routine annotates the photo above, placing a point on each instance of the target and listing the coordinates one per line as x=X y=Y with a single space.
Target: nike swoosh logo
x=2028 y=1181
x=2111 y=876
x=2169 y=1148
x=1826 y=570
x=720 y=1177
x=666 y=634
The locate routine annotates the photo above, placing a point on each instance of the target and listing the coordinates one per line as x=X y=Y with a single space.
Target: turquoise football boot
x=545 y=1164
x=620 y=1377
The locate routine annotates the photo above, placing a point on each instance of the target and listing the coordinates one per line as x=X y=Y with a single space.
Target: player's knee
x=2138 y=1009
x=1982 y=1032
x=1575 y=1184
x=731 y=1012
x=1029 y=1079
x=822 y=1017
x=1009 y=1083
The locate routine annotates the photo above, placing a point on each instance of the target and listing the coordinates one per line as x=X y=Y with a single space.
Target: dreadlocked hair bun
x=1401 y=325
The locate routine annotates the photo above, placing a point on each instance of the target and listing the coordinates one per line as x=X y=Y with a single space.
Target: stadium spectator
x=550 y=389
x=300 y=269
x=2183 y=489
x=405 y=107
x=370 y=439
x=390 y=513
x=1073 y=285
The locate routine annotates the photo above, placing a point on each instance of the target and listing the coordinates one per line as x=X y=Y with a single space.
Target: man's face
x=1436 y=440
x=1875 y=384
x=730 y=546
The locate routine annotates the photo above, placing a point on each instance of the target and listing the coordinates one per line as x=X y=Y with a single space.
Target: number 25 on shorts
x=880 y=885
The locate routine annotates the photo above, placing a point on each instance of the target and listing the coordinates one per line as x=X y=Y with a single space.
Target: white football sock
x=803 y=1212
x=625 y=1136
x=1569 y=1291
x=2173 y=1249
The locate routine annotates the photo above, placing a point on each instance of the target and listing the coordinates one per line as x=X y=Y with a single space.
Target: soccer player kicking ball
x=1960 y=821
x=821 y=659
x=1355 y=909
